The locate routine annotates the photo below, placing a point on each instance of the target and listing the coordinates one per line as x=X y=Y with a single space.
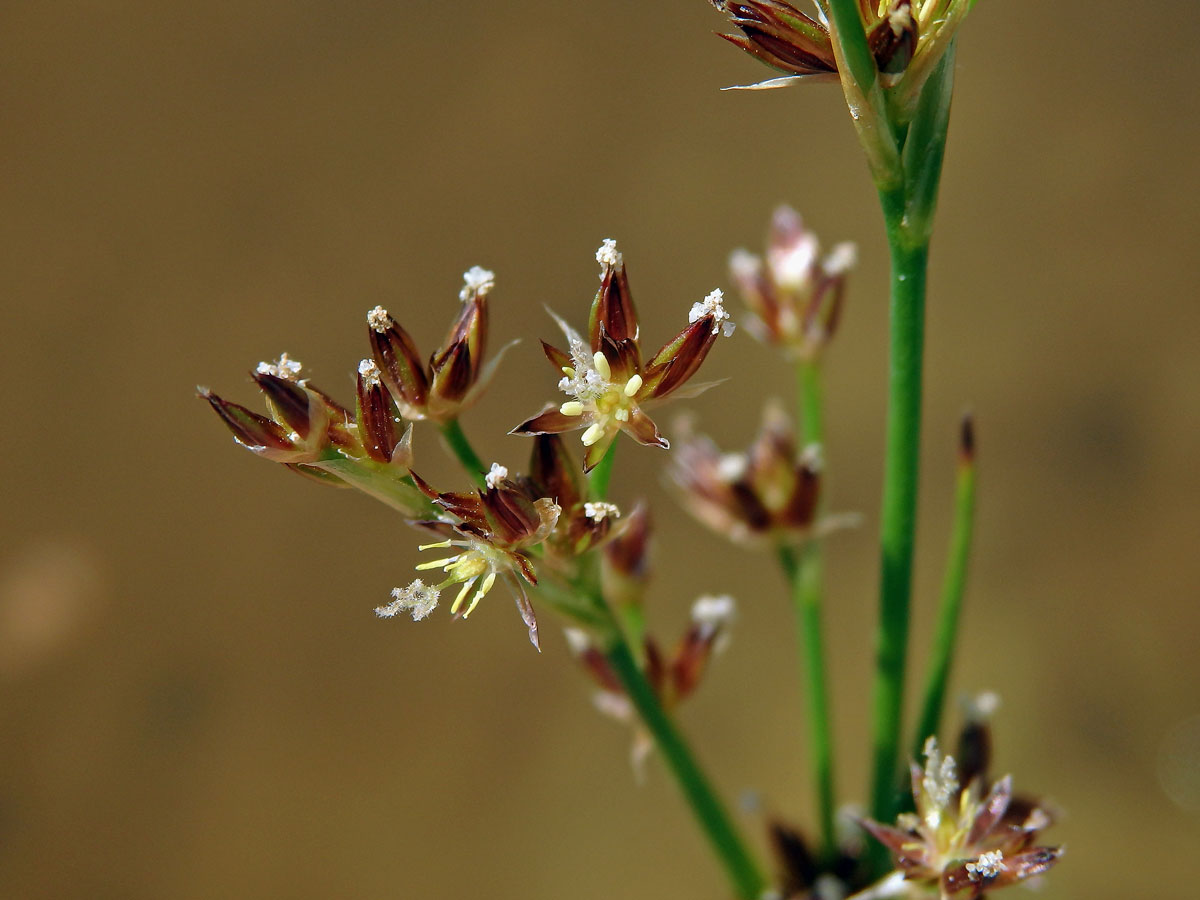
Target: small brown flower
x=491 y=531
x=307 y=428
x=768 y=492
x=606 y=378
x=796 y=296
x=784 y=38
x=906 y=39
x=455 y=375
x=965 y=839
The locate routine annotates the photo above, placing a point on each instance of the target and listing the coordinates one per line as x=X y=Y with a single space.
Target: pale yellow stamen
x=466 y=589
x=633 y=385
x=437 y=564
x=571 y=408
x=602 y=367
x=432 y=546
x=568 y=371
x=593 y=434
x=483 y=589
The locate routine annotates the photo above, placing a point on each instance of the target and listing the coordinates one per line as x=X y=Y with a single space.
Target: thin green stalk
x=811 y=403
x=740 y=866
x=942 y=653
x=598 y=480
x=898 y=525
x=803 y=571
x=461 y=447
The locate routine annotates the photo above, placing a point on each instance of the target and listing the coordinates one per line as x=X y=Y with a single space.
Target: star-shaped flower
x=605 y=377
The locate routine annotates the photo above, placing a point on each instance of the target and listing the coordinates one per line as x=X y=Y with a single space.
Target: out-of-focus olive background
x=195 y=698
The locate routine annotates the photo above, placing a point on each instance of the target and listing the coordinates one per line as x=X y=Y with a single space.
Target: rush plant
x=937 y=826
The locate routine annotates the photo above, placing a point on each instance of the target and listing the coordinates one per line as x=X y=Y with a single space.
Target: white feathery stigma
x=477 y=282
x=714 y=610
x=379 y=319
x=496 y=474
x=988 y=865
x=599 y=511
x=418 y=598
x=285 y=368
x=712 y=305
x=608 y=255
x=370 y=372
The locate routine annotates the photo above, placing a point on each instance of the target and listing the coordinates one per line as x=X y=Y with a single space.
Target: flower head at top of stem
x=605 y=378
x=905 y=38
x=795 y=295
x=762 y=496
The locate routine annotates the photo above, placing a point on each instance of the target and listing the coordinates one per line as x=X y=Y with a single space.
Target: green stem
x=457 y=441
x=743 y=871
x=602 y=473
x=805 y=574
x=942 y=653
x=898 y=525
x=803 y=570
x=811 y=403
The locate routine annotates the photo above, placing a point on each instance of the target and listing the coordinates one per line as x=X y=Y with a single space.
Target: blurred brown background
x=195 y=699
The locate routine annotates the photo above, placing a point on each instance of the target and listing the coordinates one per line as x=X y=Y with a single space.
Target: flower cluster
x=967 y=835
x=768 y=493
x=496 y=532
x=905 y=37
x=606 y=378
x=490 y=533
x=455 y=375
x=795 y=295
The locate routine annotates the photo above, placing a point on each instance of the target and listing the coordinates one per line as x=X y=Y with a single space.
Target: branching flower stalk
x=552 y=533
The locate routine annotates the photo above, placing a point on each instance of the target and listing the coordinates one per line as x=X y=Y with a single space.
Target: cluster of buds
x=766 y=494
x=608 y=382
x=489 y=533
x=905 y=37
x=967 y=835
x=673 y=677
x=795 y=295
x=455 y=375
x=309 y=432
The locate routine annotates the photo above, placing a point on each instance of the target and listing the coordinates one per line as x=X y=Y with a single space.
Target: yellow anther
x=466 y=589
x=568 y=371
x=483 y=589
x=571 y=408
x=445 y=543
x=633 y=385
x=602 y=366
x=593 y=434
x=437 y=564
